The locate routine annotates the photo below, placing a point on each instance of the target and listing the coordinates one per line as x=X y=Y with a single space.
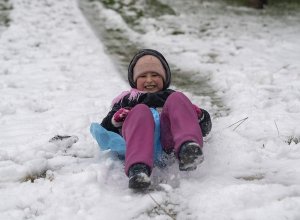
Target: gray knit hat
x=155 y=53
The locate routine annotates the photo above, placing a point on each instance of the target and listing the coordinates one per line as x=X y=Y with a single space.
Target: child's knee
x=178 y=98
x=177 y=95
x=141 y=108
x=141 y=111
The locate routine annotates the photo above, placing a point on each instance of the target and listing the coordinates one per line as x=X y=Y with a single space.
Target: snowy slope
x=56 y=78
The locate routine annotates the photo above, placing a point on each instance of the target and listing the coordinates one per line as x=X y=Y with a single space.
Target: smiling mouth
x=150 y=86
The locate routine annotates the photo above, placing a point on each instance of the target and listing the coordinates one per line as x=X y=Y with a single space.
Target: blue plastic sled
x=108 y=140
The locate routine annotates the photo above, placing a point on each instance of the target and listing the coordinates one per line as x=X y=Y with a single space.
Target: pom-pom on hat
x=139 y=66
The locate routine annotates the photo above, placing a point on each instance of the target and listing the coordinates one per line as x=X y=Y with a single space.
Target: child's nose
x=149 y=78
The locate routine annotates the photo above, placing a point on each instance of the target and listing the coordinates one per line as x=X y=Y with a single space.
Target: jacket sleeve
x=106 y=122
x=205 y=123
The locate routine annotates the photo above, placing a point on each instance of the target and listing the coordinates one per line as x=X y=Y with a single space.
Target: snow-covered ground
x=56 y=78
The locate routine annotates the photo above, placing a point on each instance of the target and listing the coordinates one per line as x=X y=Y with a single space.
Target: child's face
x=149 y=82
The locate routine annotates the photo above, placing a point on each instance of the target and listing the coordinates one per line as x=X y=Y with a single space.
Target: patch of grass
x=109 y=2
x=274 y=7
x=5 y=8
x=177 y=32
x=212 y=57
x=5 y=5
x=237 y=2
x=258 y=176
x=272 y=3
x=133 y=10
x=292 y=139
x=167 y=208
x=42 y=175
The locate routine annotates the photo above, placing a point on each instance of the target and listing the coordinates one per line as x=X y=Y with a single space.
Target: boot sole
x=139 y=181
x=191 y=158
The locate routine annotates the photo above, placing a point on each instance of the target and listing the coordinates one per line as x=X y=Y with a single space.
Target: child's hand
x=119 y=117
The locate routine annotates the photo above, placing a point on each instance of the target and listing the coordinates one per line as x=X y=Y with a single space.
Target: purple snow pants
x=178 y=122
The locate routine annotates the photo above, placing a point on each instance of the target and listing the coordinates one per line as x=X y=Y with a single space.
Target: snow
x=57 y=78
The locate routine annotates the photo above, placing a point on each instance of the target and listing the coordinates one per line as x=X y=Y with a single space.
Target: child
x=182 y=124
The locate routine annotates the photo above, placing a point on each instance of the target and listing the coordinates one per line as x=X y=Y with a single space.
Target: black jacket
x=154 y=100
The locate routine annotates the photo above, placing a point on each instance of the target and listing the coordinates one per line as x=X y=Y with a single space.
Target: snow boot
x=190 y=155
x=139 y=176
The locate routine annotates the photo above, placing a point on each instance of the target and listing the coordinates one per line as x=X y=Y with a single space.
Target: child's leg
x=179 y=123
x=138 y=132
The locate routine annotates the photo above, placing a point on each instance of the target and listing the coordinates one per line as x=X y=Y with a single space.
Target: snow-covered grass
x=56 y=78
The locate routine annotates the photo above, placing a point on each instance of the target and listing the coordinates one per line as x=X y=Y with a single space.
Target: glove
x=205 y=123
x=203 y=119
x=119 y=117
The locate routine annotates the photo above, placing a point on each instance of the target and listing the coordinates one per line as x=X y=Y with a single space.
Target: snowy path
x=55 y=78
